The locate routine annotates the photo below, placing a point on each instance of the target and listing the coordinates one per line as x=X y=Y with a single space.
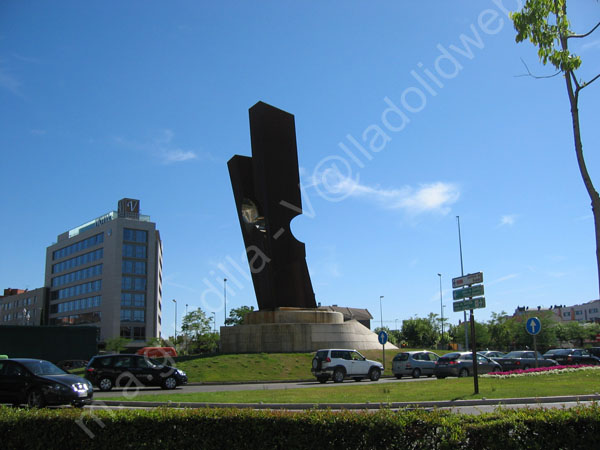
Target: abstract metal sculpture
x=266 y=188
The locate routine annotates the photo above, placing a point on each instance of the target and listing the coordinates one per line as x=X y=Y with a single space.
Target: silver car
x=414 y=364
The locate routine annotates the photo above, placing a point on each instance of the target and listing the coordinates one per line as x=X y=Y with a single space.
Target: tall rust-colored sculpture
x=266 y=188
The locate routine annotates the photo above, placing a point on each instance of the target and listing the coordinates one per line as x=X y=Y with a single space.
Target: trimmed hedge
x=166 y=428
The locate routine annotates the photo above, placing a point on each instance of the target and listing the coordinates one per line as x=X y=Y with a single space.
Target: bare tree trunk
x=587 y=181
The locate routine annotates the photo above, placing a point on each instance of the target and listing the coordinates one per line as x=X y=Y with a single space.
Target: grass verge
x=577 y=383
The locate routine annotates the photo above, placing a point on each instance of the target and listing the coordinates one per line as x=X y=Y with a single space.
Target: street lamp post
x=381 y=311
x=175 y=301
x=225 y=299
x=441 y=309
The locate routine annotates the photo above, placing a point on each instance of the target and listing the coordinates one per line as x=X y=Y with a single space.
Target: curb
x=366 y=406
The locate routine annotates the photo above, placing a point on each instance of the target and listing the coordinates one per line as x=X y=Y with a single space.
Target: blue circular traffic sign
x=533 y=325
x=383 y=337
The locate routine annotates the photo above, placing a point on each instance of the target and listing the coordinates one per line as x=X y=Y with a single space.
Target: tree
x=419 y=332
x=117 y=344
x=545 y=24
x=196 y=327
x=236 y=315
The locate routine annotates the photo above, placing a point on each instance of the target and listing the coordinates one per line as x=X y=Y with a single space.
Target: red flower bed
x=540 y=369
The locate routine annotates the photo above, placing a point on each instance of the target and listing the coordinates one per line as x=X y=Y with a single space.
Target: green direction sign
x=468 y=292
x=474 y=303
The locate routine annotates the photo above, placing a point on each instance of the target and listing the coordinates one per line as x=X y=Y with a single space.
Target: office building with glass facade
x=108 y=273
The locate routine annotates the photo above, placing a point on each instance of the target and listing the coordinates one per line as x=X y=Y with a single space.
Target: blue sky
x=408 y=114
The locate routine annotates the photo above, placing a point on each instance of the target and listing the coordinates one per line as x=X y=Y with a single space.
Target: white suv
x=338 y=364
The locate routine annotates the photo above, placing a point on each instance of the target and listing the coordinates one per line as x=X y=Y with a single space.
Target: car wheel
x=35 y=399
x=398 y=375
x=322 y=380
x=315 y=363
x=374 y=374
x=169 y=383
x=463 y=373
x=338 y=376
x=105 y=384
x=416 y=373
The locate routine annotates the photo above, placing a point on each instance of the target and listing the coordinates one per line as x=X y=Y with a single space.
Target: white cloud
x=508 y=220
x=591 y=45
x=162 y=147
x=433 y=197
x=172 y=156
x=504 y=278
x=9 y=82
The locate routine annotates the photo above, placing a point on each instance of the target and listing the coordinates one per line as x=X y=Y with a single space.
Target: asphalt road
x=193 y=388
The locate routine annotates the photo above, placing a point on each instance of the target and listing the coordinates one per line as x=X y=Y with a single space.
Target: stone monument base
x=287 y=330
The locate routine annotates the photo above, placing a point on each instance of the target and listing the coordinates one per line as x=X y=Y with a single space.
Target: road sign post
x=533 y=326
x=466 y=288
x=383 y=338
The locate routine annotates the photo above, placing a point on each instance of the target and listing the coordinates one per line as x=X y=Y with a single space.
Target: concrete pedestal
x=287 y=330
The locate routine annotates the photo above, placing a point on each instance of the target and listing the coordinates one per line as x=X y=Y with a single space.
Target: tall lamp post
x=175 y=301
x=441 y=309
x=381 y=311
x=225 y=299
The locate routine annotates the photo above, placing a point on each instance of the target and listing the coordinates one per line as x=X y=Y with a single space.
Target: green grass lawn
x=262 y=366
x=575 y=383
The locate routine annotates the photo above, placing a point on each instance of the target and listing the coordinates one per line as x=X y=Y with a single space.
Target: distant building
x=584 y=312
x=108 y=273
x=362 y=316
x=22 y=306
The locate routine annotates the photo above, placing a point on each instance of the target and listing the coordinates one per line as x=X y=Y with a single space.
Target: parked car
x=594 y=351
x=414 y=364
x=38 y=383
x=338 y=364
x=550 y=353
x=575 y=356
x=524 y=359
x=108 y=371
x=460 y=364
x=70 y=364
x=492 y=354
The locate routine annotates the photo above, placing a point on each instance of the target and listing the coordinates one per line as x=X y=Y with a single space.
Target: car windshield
x=41 y=367
x=451 y=356
x=514 y=355
x=401 y=357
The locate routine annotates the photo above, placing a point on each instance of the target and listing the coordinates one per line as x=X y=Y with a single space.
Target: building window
x=85 y=288
x=135 y=235
x=578 y=313
x=78 y=261
x=134 y=251
x=134 y=267
x=133 y=284
x=133 y=299
x=78 y=275
x=567 y=314
x=78 y=246
x=139 y=332
x=76 y=305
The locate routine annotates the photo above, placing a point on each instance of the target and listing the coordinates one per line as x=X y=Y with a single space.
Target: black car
x=460 y=364
x=575 y=356
x=108 y=371
x=39 y=383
